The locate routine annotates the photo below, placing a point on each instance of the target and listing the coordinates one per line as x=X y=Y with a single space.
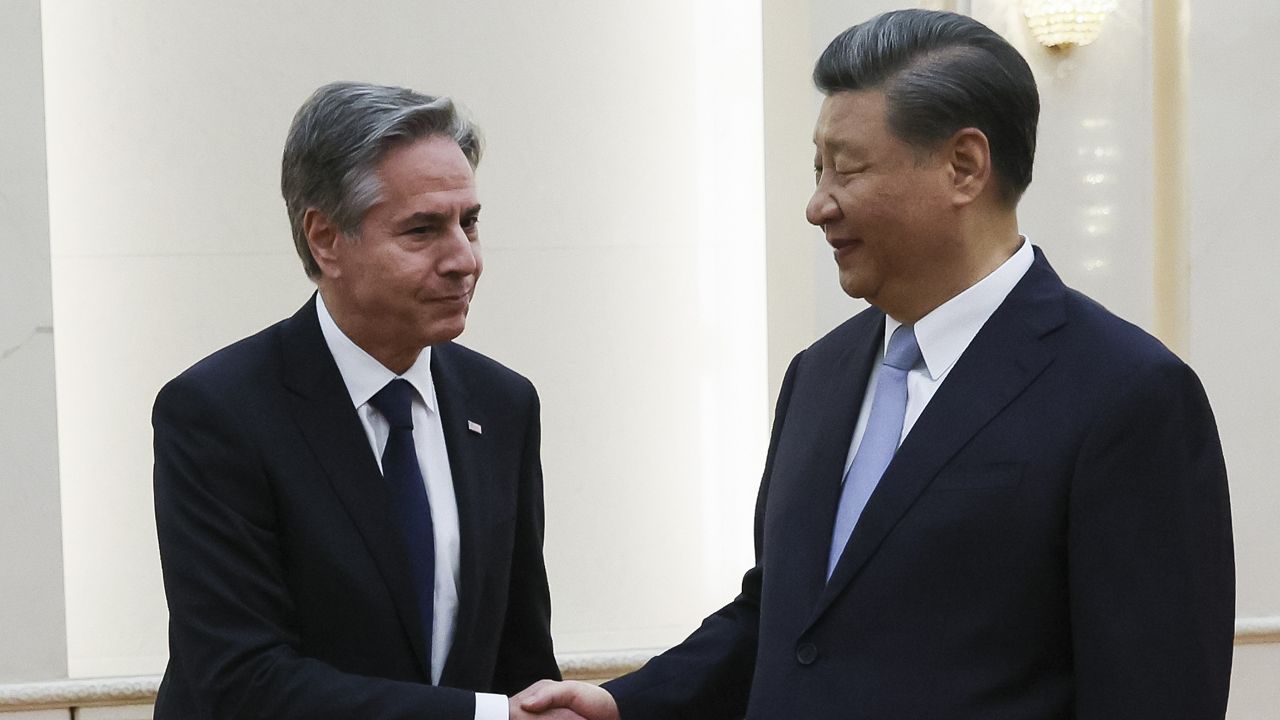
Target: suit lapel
x=824 y=412
x=321 y=406
x=1003 y=359
x=469 y=463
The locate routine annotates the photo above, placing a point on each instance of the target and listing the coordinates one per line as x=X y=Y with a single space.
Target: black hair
x=941 y=72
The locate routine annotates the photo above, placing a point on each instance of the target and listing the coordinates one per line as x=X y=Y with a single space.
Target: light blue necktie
x=879 y=440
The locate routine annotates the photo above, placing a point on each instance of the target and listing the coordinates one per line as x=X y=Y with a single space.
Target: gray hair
x=336 y=141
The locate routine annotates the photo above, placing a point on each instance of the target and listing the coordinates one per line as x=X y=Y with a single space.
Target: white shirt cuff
x=492 y=707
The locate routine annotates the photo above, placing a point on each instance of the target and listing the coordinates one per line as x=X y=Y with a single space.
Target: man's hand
x=515 y=712
x=579 y=699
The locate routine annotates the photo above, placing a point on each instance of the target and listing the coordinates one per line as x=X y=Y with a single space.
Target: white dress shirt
x=364 y=376
x=943 y=335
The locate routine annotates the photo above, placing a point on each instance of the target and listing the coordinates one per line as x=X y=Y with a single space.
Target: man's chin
x=853 y=286
x=444 y=331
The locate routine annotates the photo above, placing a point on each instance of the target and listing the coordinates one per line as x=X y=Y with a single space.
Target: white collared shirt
x=364 y=376
x=943 y=335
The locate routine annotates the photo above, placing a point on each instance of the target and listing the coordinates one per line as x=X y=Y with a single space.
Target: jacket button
x=806 y=653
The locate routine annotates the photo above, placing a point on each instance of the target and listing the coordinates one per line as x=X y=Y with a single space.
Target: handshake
x=569 y=700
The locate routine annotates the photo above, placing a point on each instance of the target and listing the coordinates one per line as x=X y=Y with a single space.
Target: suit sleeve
x=1152 y=573
x=708 y=676
x=231 y=630
x=525 y=654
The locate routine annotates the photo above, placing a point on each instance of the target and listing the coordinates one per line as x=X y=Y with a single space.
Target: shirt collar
x=363 y=375
x=945 y=333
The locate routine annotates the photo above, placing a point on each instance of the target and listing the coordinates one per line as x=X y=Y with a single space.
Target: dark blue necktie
x=410 y=506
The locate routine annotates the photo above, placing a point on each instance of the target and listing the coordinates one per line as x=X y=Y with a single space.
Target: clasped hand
x=569 y=700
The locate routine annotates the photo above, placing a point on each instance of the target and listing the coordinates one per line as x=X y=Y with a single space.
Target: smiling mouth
x=461 y=299
x=842 y=246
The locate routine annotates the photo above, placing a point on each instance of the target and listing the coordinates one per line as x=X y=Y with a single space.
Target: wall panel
x=32 y=635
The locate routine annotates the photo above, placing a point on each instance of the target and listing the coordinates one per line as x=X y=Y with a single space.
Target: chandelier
x=1066 y=23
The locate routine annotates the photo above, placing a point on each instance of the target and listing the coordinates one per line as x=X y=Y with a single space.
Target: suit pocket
x=989 y=476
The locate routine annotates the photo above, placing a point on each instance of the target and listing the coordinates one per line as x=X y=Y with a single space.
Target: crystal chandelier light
x=1066 y=23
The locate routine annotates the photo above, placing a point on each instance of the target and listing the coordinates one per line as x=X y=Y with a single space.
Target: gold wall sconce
x=1063 y=24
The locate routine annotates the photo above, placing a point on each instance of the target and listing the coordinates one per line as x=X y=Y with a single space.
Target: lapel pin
x=474 y=427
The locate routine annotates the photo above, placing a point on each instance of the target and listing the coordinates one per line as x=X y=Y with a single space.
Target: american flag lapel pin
x=474 y=427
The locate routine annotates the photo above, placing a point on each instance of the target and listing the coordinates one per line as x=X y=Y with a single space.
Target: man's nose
x=460 y=256
x=822 y=208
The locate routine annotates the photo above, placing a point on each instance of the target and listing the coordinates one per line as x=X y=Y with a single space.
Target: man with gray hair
x=348 y=504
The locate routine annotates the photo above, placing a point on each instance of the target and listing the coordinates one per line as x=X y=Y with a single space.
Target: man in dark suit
x=349 y=505
x=985 y=497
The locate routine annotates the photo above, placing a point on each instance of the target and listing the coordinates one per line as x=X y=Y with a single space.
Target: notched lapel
x=469 y=463
x=810 y=464
x=321 y=406
x=1005 y=357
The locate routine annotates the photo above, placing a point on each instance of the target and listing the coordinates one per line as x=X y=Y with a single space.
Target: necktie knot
x=394 y=401
x=903 y=352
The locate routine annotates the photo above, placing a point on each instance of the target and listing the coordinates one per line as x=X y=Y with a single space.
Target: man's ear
x=969 y=156
x=322 y=238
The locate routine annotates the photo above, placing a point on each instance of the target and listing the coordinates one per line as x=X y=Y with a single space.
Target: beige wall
x=32 y=638
x=1234 y=180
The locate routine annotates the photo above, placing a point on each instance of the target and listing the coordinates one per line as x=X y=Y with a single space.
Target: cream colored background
x=1234 y=179
x=32 y=628
x=644 y=161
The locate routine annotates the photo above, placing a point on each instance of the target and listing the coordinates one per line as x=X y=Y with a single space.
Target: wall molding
x=603 y=665
x=58 y=694
x=91 y=692
x=1257 y=630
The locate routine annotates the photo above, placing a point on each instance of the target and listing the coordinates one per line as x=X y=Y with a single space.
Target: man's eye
x=471 y=222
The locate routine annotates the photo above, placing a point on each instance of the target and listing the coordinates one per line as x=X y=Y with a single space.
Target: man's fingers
x=531 y=691
x=520 y=712
x=544 y=696
x=589 y=701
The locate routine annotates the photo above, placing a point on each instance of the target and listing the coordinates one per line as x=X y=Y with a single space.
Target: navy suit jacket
x=1051 y=541
x=288 y=592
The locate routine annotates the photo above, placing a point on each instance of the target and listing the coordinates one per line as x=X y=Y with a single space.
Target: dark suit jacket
x=1051 y=541
x=288 y=593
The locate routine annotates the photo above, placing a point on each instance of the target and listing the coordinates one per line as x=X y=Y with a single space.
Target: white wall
x=1234 y=156
x=31 y=608
x=624 y=268
x=788 y=147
